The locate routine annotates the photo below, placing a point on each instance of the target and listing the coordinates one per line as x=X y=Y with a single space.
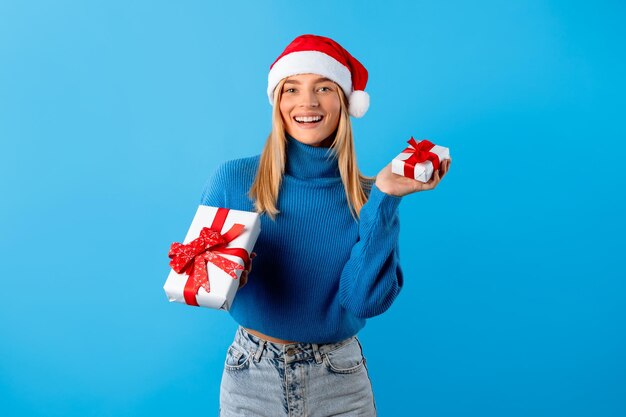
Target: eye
x=325 y=89
x=290 y=90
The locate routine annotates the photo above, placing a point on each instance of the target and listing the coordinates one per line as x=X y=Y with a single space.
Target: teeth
x=308 y=119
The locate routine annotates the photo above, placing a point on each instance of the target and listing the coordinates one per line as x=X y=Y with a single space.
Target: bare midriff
x=269 y=338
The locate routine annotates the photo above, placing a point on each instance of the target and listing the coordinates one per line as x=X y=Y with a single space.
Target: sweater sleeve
x=372 y=277
x=214 y=193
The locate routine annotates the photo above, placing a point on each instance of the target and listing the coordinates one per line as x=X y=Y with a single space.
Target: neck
x=310 y=162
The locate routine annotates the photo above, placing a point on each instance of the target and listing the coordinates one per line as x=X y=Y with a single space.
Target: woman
x=327 y=257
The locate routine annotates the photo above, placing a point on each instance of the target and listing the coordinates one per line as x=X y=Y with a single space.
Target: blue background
x=114 y=113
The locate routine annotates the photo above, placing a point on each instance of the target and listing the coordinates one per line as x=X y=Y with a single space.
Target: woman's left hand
x=393 y=184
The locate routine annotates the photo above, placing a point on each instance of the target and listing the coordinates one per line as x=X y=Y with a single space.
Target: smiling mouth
x=308 y=119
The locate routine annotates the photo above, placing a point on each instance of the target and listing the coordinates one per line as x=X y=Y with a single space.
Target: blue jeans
x=269 y=379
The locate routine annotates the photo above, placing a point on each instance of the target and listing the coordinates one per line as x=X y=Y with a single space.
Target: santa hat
x=311 y=54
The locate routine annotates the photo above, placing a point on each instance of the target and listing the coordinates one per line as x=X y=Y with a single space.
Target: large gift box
x=419 y=160
x=206 y=267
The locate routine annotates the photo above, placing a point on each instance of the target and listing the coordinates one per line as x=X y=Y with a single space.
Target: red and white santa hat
x=311 y=54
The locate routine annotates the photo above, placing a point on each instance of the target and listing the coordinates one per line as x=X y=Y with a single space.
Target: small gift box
x=419 y=160
x=207 y=266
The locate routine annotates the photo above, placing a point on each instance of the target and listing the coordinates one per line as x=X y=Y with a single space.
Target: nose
x=309 y=99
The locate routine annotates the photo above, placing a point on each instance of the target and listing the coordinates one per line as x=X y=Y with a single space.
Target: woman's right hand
x=243 y=279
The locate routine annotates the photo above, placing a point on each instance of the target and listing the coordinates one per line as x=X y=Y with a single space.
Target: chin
x=308 y=137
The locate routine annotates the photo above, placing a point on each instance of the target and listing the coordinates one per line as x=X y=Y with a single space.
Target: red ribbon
x=193 y=257
x=420 y=152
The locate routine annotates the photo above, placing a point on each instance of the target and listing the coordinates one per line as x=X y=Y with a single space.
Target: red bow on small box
x=420 y=152
x=193 y=257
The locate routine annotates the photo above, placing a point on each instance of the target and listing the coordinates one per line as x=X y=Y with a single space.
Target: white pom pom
x=359 y=103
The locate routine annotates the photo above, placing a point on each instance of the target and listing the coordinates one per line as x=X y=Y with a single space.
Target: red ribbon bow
x=420 y=152
x=193 y=257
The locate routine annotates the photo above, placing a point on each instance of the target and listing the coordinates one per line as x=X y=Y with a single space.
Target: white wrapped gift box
x=423 y=171
x=222 y=286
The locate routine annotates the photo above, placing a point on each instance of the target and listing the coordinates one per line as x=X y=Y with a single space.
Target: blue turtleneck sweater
x=318 y=273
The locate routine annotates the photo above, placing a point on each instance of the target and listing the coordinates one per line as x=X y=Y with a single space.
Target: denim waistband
x=288 y=352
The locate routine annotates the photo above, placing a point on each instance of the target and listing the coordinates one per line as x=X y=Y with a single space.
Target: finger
x=435 y=179
x=252 y=256
x=243 y=280
x=444 y=168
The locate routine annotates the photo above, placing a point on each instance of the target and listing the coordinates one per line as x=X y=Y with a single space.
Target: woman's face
x=310 y=107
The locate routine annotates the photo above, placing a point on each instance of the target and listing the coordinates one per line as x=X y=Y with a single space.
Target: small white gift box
x=215 y=238
x=414 y=161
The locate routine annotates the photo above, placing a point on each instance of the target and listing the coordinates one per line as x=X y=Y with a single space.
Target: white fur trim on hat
x=309 y=62
x=359 y=103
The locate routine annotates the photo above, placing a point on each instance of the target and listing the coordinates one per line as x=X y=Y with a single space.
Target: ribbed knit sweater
x=318 y=273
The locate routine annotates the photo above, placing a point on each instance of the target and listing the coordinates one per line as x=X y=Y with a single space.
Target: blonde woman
x=327 y=257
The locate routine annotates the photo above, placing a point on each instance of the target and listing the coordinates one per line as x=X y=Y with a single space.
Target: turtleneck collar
x=310 y=162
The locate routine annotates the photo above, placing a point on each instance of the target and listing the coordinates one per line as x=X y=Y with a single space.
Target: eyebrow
x=319 y=80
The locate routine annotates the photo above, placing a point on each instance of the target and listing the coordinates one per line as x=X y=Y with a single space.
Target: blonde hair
x=264 y=190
